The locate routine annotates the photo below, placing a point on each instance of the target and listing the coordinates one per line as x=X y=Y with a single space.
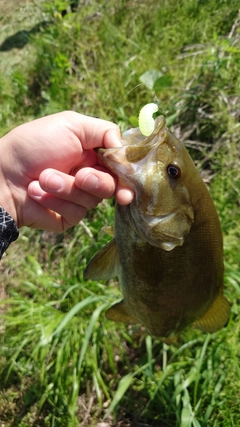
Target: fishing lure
x=145 y=120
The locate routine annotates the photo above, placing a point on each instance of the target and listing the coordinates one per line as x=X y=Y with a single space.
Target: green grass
x=62 y=363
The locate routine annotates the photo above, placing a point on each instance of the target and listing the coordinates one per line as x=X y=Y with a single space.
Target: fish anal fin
x=104 y=265
x=118 y=313
x=216 y=317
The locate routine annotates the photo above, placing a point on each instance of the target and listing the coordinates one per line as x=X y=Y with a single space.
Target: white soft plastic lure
x=145 y=120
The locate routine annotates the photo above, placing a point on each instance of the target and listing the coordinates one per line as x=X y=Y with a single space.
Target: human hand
x=49 y=173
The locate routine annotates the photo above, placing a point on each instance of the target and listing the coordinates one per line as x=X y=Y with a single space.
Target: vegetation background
x=61 y=362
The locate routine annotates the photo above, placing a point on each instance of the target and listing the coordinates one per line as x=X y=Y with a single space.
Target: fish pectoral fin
x=216 y=317
x=105 y=264
x=118 y=313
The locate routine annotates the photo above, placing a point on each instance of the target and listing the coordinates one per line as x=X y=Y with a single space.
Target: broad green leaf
x=162 y=82
x=150 y=77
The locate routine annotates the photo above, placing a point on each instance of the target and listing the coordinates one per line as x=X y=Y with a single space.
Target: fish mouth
x=131 y=153
x=115 y=160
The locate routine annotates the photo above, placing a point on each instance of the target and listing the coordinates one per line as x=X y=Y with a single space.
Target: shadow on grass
x=20 y=38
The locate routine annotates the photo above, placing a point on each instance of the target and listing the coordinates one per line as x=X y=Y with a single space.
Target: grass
x=61 y=362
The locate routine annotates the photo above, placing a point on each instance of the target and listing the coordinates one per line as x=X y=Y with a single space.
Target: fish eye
x=174 y=171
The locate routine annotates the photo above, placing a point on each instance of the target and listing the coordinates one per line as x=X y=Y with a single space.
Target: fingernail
x=35 y=190
x=90 y=182
x=54 y=182
x=129 y=196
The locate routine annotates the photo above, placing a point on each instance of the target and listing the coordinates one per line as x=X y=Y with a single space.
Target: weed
x=61 y=362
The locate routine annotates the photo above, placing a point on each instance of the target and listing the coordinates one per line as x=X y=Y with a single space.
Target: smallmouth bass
x=167 y=250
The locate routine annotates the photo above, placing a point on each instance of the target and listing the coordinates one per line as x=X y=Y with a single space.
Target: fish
x=167 y=246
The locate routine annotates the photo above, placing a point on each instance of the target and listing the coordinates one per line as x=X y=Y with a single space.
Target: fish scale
x=167 y=250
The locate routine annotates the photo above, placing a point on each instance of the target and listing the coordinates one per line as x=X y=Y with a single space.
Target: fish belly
x=165 y=291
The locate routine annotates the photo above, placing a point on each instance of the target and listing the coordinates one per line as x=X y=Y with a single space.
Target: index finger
x=94 y=132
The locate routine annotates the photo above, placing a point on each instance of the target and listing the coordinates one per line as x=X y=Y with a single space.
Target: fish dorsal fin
x=216 y=317
x=105 y=264
x=118 y=313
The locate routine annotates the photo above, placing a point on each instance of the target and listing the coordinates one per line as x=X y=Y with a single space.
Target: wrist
x=6 y=201
x=8 y=230
x=6 y=196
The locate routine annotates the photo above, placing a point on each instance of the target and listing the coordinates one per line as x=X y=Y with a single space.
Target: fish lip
x=160 y=122
x=118 y=165
x=100 y=150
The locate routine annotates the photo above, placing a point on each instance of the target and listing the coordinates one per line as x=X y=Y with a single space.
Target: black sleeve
x=8 y=231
